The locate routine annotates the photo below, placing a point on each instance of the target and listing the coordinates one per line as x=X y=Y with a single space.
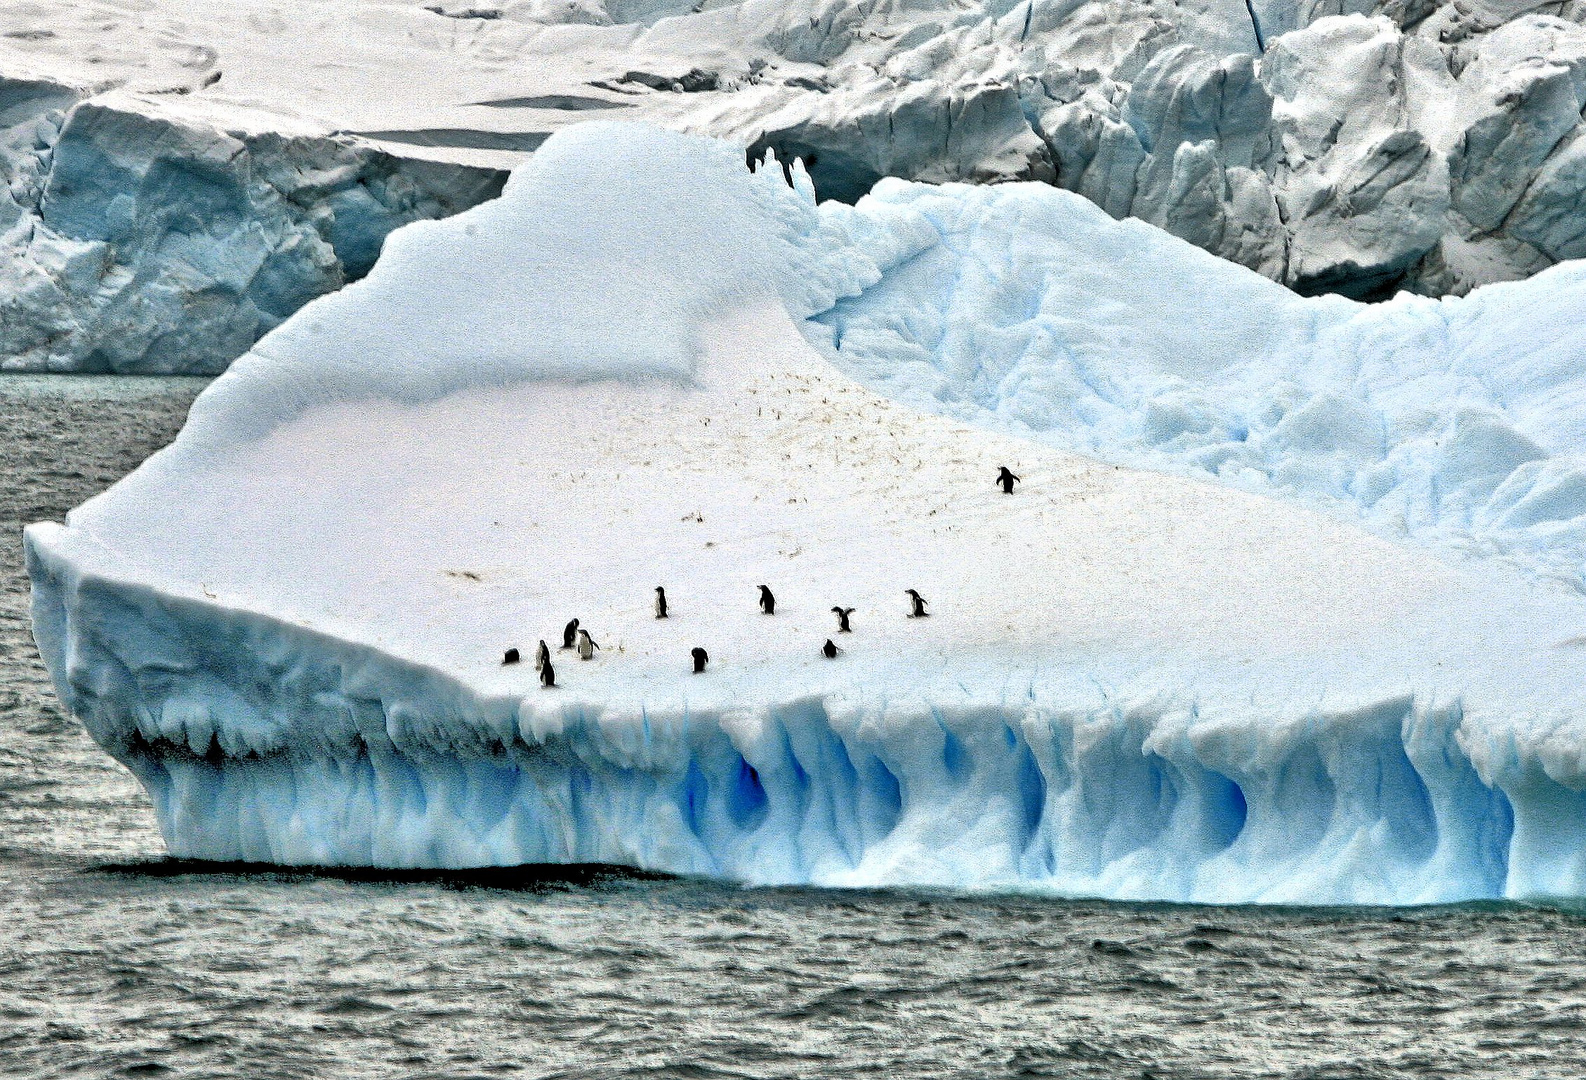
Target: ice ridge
x=1457 y=422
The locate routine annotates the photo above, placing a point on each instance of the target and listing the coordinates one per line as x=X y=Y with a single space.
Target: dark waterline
x=117 y=961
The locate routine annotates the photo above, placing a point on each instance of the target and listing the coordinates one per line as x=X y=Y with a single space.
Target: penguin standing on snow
x=511 y=657
x=586 y=645
x=700 y=658
x=767 y=601
x=569 y=632
x=842 y=614
x=1006 y=479
x=660 y=602
x=542 y=656
x=547 y=673
x=829 y=650
x=917 y=605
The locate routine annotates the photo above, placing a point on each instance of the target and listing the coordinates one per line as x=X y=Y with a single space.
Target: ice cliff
x=289 y=625
x=1330 y=145
x=136 y=238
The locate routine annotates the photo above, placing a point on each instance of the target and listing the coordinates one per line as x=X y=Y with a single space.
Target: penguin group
x=576 y=638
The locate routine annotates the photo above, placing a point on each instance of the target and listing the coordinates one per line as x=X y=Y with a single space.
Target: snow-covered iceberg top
x=290 y=624
x=1460 y=422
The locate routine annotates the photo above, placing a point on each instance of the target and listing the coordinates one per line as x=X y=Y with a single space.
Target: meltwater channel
x=115 y=961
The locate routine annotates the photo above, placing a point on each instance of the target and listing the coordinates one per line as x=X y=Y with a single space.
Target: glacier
x=254 y=158
x=645 y=365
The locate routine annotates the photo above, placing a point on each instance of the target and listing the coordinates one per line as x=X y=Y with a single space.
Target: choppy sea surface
x=115 y=961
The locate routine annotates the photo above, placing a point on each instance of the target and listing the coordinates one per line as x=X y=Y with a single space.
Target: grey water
x=115 y=961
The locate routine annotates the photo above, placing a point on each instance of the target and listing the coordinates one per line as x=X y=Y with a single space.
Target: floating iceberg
x=290 y=623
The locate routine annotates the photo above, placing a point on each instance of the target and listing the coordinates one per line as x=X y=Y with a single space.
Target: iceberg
x=638 y=368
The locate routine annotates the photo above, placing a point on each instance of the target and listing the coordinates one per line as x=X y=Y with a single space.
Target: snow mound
x=290 y=624
x=1459 y=422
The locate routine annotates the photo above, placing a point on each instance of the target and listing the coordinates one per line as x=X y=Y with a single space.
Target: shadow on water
x=544 y=877
x=531 y=878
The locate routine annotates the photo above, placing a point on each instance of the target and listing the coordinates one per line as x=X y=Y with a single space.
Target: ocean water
x=115 y=961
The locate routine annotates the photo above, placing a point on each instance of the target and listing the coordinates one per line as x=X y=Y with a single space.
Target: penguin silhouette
x=917 y=605
x=569 y=632
x=511 y=657
x=586 y=645
x=547 y=673
x=700 y=658
x=767 y=601
x=829 y=650
x=660 y=602
x=542 y=656
x=842 y=614
x=1007 y=480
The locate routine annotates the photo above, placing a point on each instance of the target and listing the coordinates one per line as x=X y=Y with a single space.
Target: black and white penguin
x=586 y=645
x=767 y=601
x=830 y=650
x=569 y=632
x=917 y=605
x=542 y=656
x=547 y=673
x=660 y=602
x=701 y=657
x=1007 y=480
x=511 y=657
x=842 y=614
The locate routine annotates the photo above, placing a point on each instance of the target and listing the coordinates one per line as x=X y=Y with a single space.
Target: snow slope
x=289 y=624
x=251 y=154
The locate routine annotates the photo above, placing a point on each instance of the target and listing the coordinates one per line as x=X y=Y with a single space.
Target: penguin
x=1007 y=480
x=917 y=603
x=542 y=656
x=767 y=601
x=547 y=673
x=829 y=650
x=569 y=632
x=586 y=645
x=660 y=602
x=511 y=657
x=700 y=659
x=842 y=614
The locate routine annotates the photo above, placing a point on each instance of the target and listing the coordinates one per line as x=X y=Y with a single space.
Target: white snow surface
x=289 y=625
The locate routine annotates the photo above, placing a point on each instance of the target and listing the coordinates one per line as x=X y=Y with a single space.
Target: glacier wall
x=1367 y=148
x=265 y=742
x=137 y=239
x=1357 y=148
